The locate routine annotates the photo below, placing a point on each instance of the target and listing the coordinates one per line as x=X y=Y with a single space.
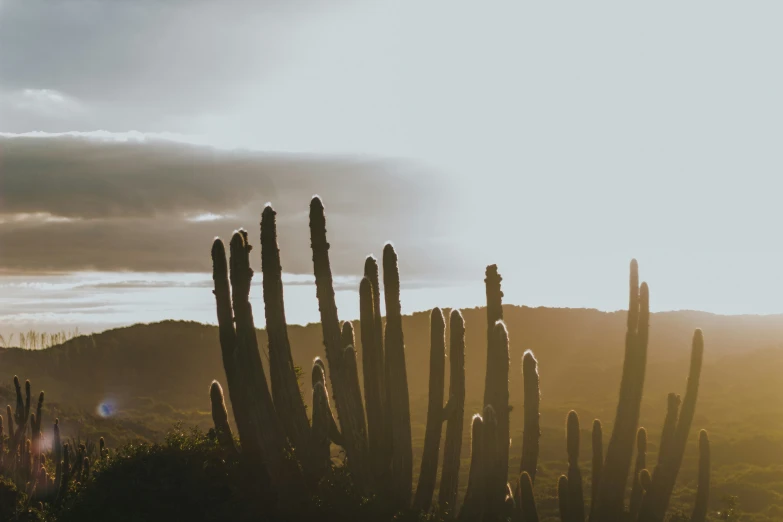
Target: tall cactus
x=531 y=433
x=473 y=504
x=494 y=482
x=598 y=463
x=452 y=447
x=318 y=375
x=332 y=334
x=261 y=433
x=637 y=492
x=372 y=366
x=496 y=378
x=397 y=383
x=435 y=417
x=703 y=489
x=656 y=501
x=357 y=457
x=576 y=503
x=286 y=396
x=619 y=453
x=496 y=395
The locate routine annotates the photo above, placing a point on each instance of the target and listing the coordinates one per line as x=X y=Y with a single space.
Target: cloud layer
x=71 y=203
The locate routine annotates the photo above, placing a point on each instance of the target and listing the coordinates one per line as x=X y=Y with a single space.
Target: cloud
x=141 y=203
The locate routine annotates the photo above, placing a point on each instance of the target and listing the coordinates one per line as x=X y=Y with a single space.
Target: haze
x=556 y=142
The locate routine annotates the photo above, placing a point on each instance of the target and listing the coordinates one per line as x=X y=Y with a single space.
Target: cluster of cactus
x=23 y=453
x=291 y=452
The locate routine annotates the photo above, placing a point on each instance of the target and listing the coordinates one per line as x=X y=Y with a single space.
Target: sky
x=558 y=140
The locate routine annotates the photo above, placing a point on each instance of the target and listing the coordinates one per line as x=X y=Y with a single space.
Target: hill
x=135 y=382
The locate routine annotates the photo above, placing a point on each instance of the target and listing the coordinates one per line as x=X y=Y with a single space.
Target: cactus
x=598 y=462
x=703 y=489
x=641 y=463
x=609 y=505
x=57 y=449
x=397 y=383
x=449 y=480
x=496 y=378
x=473 y=504
x=562 y=497
x=287 y=399
x=372 y=369
x=494 y=483
x=576 y=503
x=103 y=453
x=263 y=439
x=531 y=434
x=656 y=500
x=357 y=458
x=355 y=449
x=529 y=510
x=435 y=417
x=318 y=375
x=219 y=418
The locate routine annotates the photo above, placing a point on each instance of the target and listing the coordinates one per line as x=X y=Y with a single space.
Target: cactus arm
x=576 y=503
x=619 y=453
x=562 y=498
x=455 y=411
x=429 y=460
x=529 y=510
x=531 y=434
x=286 y=396
x=473 y=504
x=637 y=492
x=703 y=489
x=397 y=383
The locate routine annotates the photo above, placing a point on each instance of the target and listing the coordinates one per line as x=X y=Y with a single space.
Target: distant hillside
x=158 y=374
x=580 y=352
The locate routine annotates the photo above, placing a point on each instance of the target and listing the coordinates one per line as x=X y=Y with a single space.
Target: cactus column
x=610 y=503
x=287 y=399
x=372 y=365
x=330 y=325
x=397 y=383
x=262 y=436
x=429 y=459
x=452 y=447
x=656 y=501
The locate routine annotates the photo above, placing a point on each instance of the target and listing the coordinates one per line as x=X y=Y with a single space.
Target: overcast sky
x=558 y=140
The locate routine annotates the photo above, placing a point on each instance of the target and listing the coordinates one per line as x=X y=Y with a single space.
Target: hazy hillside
x=158 y=374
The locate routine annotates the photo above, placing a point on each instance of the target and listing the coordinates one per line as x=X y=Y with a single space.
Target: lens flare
x=105 y=409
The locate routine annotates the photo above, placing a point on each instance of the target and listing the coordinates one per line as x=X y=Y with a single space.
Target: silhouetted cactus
x=435 y=416
x=219 y=419
x=57 y=449
x=619 y=452
x=358 y=462
x=562 y=497
x=529 y=510
x=473 y=504
x=496 y=378
x=372 y=366
x=598 y=463
x=319 y=375
x=286 y=396
x=641 y=463
x=494 y=482
x=576 y=503
x=397 y=383
x=664 y=476
x=452 y=446
x=263 y=438
x=703 y=489
x=531 y=433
